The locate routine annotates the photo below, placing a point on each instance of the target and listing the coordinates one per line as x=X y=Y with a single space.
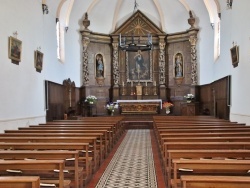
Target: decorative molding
x=140 y=24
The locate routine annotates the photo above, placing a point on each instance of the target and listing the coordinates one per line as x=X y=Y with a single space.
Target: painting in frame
x=235 y=55
x=139 y=66
x=38 y=60
x=15 y=49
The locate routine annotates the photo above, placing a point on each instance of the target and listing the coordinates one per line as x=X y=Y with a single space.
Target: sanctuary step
x=138 y=122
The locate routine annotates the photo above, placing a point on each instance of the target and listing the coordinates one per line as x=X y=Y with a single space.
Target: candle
x=123 y=84
x=146 y=83
x=131 y=83
x=154 y=83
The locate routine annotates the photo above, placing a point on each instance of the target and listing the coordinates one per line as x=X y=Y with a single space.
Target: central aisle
x=133 y=163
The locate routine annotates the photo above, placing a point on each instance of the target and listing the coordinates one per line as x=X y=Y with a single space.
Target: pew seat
x=192 y=181
x=20 y=181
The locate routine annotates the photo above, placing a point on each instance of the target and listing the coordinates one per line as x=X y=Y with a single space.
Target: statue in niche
x=178 y=65
x=99 y=66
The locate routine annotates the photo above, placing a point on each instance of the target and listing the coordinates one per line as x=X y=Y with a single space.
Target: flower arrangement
x=91 y=99
x=167 y=105
x=189 y=97
x=111 y=107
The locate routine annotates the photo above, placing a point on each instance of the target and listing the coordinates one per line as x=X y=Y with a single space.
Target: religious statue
x=178 y=65
x=99 y=66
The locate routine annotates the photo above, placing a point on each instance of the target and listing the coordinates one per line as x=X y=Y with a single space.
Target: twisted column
x=85 y=70
x=115 y=64
x=162 y=78
x=193 y=40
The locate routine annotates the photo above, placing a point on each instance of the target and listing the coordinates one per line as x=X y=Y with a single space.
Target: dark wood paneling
x=56 y=97
x=55 y=101
x=215 y=96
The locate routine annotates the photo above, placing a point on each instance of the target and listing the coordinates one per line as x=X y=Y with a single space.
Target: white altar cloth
x=141 y=101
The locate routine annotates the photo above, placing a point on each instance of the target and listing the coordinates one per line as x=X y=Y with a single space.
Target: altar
x=151 y=106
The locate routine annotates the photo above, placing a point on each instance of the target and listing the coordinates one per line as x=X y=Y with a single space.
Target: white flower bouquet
x=189 y=97
x=111 y=106
x=91 y=99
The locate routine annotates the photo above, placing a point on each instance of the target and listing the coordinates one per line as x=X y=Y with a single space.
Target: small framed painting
x=38 y=60
x=235 y=55
x=15 y=49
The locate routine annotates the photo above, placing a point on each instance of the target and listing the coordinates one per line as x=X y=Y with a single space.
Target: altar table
x=140 y=106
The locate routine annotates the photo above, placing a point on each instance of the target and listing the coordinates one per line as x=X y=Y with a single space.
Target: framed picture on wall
x=38 y=60
x=139 y=66
x=15 y=49
x=235 y=55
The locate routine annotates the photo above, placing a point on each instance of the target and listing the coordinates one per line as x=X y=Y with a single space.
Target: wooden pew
x=112 y=134
x=20 y=181
x=85 y=162
x=220 y=134
x=106 y=136
x=101 y=143
x=199 y=126
x=204 y=145
x=117 y=129
x=246 y=128
x=205 y=154
x=206 y=139
x=192 y=181
x=35 y=166
x=192 y=121
x=162 y=136
x=186 y=118
x=208 y=167
x=49 y=155
x=89 y=140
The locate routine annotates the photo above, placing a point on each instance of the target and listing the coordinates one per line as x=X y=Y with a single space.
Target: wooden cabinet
x=190 y=109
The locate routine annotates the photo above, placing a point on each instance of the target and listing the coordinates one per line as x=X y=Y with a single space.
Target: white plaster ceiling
x=106 y=15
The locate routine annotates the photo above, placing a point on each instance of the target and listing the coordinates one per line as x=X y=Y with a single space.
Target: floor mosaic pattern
x=132 y=165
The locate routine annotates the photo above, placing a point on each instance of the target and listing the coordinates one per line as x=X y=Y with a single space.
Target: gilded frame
x=235 y=55
x=141 y=71
x=38 y=60
x=15 y=49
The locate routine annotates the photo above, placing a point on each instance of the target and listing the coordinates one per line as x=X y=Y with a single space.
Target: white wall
x=22 y=88
x=236 y=27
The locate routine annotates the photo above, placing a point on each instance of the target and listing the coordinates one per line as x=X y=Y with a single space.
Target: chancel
x=127 y=89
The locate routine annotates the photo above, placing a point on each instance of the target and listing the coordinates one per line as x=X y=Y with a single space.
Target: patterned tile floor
x=132 y=165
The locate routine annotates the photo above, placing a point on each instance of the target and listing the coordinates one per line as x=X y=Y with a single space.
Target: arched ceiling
x=106 y=15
